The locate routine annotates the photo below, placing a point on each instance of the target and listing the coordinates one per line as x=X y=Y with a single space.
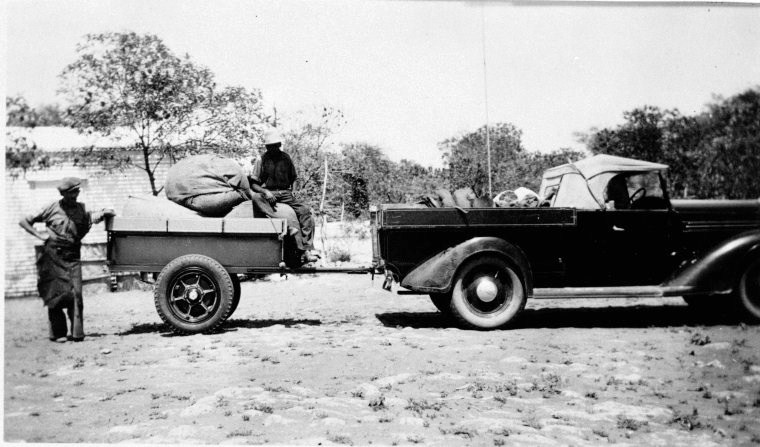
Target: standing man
x=272 y=176
x=59 y=266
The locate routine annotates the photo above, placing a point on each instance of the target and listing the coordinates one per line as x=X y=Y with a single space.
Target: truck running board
x=610 y=292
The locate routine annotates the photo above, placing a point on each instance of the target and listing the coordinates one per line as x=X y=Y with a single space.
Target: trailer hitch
x=388 y=282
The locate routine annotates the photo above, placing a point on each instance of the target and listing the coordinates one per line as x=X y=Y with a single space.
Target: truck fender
x=718 y=271
x=436 y=274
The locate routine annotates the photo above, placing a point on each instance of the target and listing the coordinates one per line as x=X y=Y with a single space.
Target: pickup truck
x=606 y=227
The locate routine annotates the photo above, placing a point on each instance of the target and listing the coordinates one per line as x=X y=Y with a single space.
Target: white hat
x=272 y=137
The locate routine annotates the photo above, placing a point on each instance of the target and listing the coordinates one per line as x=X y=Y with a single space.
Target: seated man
x=616 y=193
x=272 y=175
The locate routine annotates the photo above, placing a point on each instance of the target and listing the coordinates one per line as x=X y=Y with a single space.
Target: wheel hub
x=486 y=289
x=193 y=295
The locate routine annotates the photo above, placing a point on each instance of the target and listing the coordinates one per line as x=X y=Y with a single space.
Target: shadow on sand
x=228 y=326
x=595 y=317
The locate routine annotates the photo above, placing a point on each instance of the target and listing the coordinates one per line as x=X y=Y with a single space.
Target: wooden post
x=324 y=190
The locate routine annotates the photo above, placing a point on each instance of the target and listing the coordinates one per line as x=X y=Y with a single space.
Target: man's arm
x=254 y=178
x=27 y=223
x=98 y=216
x=263 y=191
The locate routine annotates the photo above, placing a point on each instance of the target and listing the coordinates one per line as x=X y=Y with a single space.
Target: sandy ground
x=334 y=359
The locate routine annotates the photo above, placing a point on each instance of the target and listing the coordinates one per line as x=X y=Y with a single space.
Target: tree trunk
x=151 y=176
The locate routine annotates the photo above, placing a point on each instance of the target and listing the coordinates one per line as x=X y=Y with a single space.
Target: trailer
x=195 y=262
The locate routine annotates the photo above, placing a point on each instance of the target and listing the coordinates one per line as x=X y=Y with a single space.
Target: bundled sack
x=519 y=198
x=209 y=184
x=149 y=205
x=462 y=198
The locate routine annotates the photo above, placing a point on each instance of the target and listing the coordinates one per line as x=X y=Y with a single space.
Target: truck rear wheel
x=442 y=302
x=488 y=293
x=193 y=294
x=748 y=291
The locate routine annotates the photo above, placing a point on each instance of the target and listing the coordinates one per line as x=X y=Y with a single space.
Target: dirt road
x=336 y=360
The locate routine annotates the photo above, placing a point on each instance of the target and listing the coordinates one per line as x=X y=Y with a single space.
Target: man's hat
x=69 y=184
x=272 y=137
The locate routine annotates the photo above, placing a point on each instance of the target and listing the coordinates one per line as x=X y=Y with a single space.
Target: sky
x=410 y=74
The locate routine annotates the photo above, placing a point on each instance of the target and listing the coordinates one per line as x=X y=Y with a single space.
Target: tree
x=526 y=168
x=651 y=134
x=467 y=159
x=20 y=154
x=411 y=181
x=308 y=143
x=715 y=154
x=728 y=156
x=18 y=113
x=125 y=83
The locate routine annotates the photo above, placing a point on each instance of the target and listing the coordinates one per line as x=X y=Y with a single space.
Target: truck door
x=643 y=234
x=638 y=245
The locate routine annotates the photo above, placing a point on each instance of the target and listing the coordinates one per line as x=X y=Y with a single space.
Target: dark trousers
x=60 y=287
x=57 y=317
x=305 y=238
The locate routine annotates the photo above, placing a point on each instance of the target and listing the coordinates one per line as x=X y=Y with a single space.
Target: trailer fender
x=719 y=270
x=436 y=274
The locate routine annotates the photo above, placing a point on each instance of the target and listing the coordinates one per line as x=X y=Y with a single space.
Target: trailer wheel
x=236 y=295
x=748 y=291
x=442 y=302
x=488 y=293
x=193 y=294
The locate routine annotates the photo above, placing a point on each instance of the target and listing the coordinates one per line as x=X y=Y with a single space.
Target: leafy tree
x=18 y=113
x=466 y=156
x=715 y=154
x=368 y=163
x=412 y=181
x=133 y=86
x=728 y=157
x=526 y=168
x=370 y=177
x=308 y=144
x=21 y=155
x=50 y=115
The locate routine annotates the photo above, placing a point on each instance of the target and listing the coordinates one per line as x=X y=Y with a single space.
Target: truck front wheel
x=749 y=290
x=193 y=294
x=488 y=293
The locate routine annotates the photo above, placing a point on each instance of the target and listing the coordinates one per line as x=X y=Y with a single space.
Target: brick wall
x=25 y=194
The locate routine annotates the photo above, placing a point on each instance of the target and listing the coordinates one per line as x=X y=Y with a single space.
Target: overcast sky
x=408 y=75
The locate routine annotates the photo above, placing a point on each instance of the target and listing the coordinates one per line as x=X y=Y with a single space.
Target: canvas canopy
x=581 y=184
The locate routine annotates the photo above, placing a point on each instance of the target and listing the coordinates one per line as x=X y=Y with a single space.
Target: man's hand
x=270 y=197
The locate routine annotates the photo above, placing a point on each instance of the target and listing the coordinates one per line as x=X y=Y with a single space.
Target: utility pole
x=485 y=89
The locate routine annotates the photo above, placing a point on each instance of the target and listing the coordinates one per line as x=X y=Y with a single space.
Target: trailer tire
x=488 y=292
x=236 y=295
x=194 y=294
